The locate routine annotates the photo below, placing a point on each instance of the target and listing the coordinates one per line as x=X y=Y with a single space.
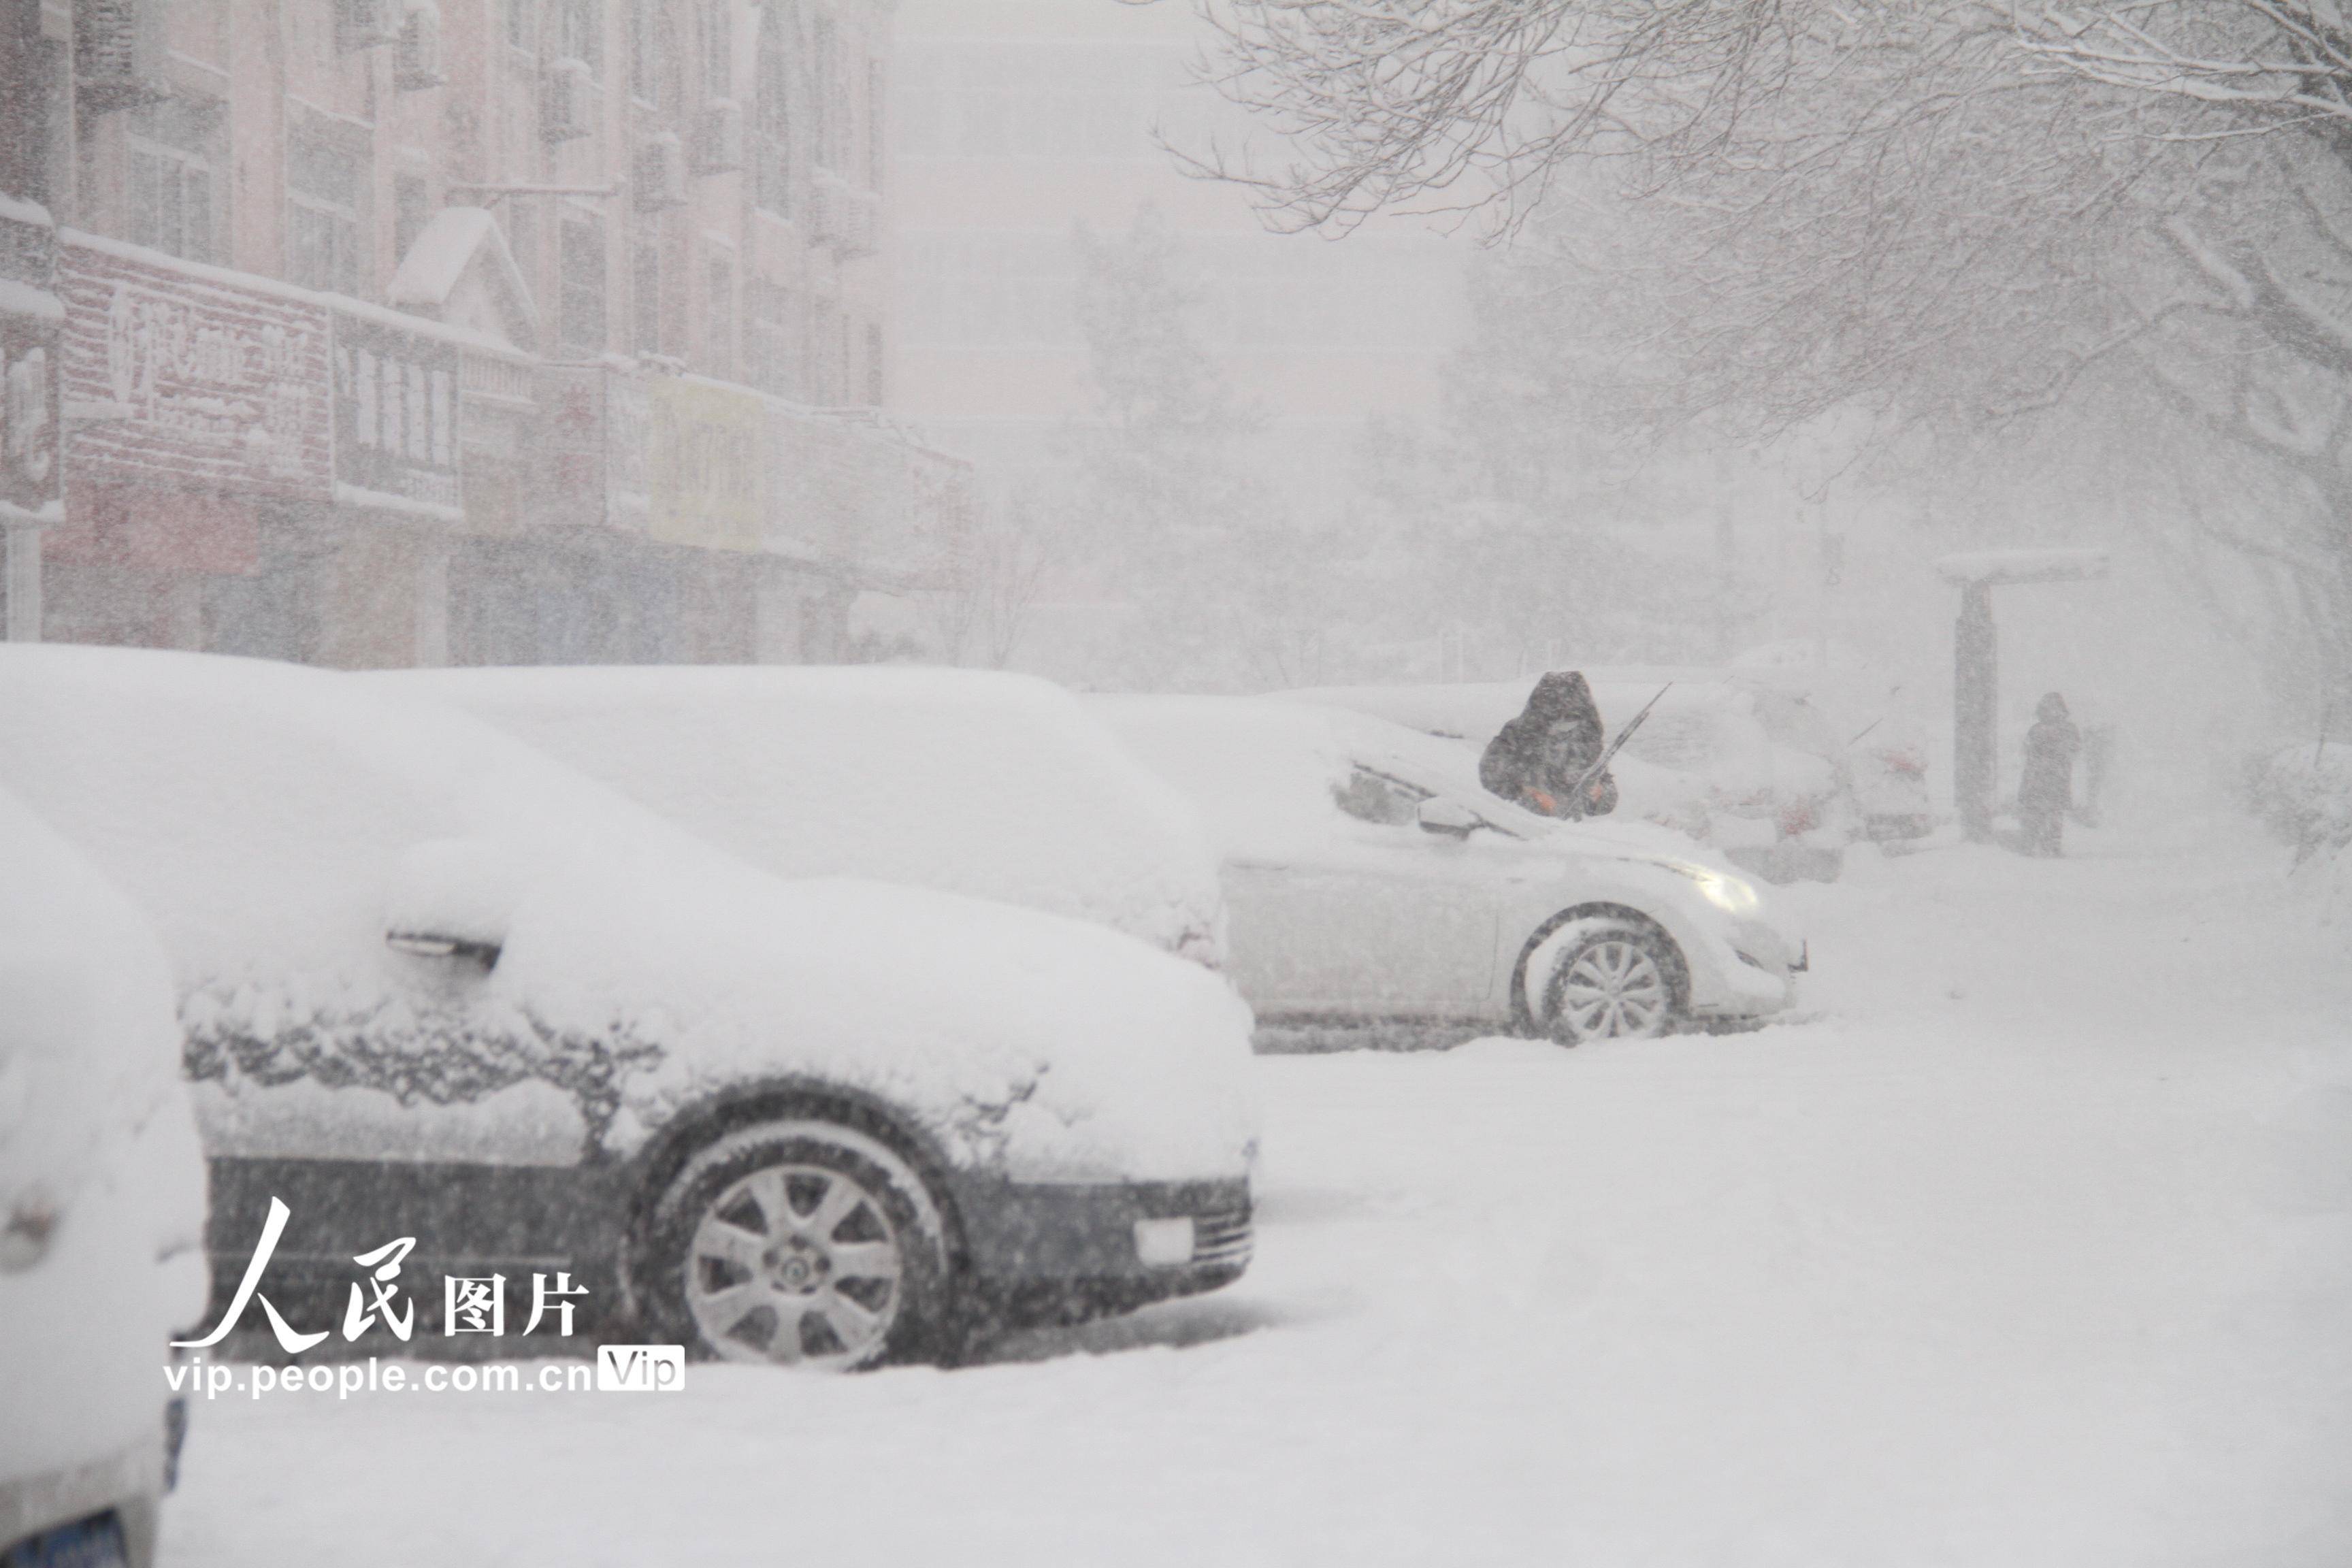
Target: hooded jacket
x=2050 y=748
x=1537 y=759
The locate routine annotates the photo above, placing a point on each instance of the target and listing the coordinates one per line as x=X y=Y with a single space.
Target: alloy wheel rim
x=795 y=1264
x=1613 y=989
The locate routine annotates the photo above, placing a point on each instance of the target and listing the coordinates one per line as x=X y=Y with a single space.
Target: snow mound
x=995 y=786
x=2303 y=794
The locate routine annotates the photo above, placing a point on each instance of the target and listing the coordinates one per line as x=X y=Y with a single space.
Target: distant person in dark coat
x=2047 y=790
x=1538 y=756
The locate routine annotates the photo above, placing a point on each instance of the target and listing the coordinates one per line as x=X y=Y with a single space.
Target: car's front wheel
x=799 y=1243
x=1610 y=980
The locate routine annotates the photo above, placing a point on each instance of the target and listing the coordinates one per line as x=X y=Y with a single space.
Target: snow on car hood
x=277 y=822
x=969 y=781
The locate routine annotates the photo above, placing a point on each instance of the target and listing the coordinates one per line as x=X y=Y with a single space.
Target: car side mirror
x=1438 y=814
x=451 y=898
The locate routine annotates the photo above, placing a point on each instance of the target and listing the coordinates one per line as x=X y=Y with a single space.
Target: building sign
x=591 y=448
x=211 y=384
x=627 y=418
x=31 y=478
x=396 y=415
x=705 y=465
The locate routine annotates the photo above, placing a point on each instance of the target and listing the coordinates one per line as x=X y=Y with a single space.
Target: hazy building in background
x=490 y=330
x=1016 y=121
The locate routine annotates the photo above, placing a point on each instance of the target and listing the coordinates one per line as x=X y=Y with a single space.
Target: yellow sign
x=703 y=465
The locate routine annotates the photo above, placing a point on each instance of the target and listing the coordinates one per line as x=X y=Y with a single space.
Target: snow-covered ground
x=2032 y=1245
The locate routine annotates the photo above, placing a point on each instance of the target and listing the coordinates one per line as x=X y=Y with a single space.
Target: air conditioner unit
x=660 y=173
x=718 y=138
x=118 y=53
x=866 y=233
x=418 y=62
x=841 y=219
x=826 y=208
x=565 y=108
x=364 y=24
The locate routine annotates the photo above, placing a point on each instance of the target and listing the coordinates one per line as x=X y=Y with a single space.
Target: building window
x=580 y=32
x=718 y=49
x=580 y=265
x=174 y=148
x=772 y=123
x=648 y=52
x=518 y=22
x=521 y=221
x=718 y=319
x=874 y=386
x=829 y=354
x=774 y=366
x=877 y=149
x=646 y=289
x=824 y=61
x=412 y=209
x=326 y=192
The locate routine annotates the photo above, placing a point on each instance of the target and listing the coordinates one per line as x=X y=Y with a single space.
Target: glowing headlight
x=1732 y=895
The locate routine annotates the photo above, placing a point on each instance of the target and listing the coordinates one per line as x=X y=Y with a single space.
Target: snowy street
x=2030 y=1243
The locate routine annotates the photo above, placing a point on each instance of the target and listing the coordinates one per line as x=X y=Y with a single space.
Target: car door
x=1370 y=918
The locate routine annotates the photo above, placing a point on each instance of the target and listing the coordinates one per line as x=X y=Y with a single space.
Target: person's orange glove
x=1544 y=802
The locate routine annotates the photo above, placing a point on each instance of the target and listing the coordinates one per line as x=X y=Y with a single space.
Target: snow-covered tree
x=1225 y=587
x=1946 y=213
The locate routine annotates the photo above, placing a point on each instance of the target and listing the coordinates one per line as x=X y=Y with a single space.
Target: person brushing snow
x=1538 y=757
x=2047 y=791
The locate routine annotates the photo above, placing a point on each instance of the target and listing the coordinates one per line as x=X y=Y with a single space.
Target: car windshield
x=1380 y=795
x=1372 y=796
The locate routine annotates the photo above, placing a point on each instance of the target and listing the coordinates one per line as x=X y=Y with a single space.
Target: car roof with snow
x=1000 y=786
x=1268 y=773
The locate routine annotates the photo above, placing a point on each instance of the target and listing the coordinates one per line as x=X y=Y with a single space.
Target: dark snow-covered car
x=435 y=986
x=976 y=781
x=1369 y=877
x=101 y=1210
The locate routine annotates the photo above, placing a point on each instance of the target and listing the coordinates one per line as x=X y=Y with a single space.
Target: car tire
x=1611 y=979
x=798 y=1243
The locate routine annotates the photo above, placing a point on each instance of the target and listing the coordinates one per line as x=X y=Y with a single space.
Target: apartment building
x=389 y=332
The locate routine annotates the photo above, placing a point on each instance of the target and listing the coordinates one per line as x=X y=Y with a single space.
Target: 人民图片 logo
x=469 y=1304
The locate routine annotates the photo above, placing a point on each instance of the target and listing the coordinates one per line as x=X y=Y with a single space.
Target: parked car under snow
x=1778 y=767
x=102 y=1209
x=433 y=985
x=1369 y=878
x=997 y=785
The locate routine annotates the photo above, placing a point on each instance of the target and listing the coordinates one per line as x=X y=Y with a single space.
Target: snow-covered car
x=1369 y=877
x=1774 y=764
x=435 y=985
x=101 y=1210
x=972 y=782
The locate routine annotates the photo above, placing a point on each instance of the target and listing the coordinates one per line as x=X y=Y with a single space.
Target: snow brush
x=1584 y=779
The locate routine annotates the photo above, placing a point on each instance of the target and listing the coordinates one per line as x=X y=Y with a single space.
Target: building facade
x=387 y=331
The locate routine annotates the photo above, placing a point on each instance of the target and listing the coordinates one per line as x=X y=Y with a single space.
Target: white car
x=101 y=1210
x=435 y=985
x=972 y=782
x=1369 y=878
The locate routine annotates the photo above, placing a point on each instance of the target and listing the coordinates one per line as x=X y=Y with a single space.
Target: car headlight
x=1732 y=895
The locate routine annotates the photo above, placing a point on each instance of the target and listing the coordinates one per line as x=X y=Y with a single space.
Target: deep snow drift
x=2032 y=1246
